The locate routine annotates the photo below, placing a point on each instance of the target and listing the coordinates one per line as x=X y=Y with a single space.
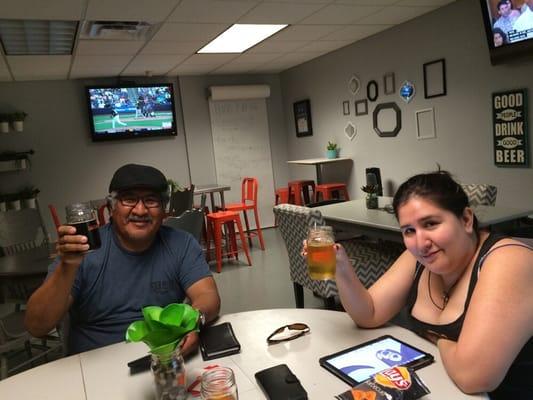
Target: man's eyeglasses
x=131 y=200
x=288 y=332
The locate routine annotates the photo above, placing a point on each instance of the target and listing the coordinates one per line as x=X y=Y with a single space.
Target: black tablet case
x=279 y=383
x=218 y=341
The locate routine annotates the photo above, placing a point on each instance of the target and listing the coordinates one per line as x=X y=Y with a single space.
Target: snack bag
x=396 y=383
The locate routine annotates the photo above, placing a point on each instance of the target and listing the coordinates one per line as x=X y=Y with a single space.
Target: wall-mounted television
x=131 y=111
x=509 y=29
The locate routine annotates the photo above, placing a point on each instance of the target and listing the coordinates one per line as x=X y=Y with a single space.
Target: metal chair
x=191 y=221
x=181 y=201
x=22 y=233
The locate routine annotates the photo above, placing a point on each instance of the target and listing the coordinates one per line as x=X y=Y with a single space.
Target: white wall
x=463 y=117
x=67 y=165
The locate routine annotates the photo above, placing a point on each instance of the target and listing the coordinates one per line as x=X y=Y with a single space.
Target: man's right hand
x=71 y=247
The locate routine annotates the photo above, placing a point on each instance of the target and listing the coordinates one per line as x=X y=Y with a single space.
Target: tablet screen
x=357 y=364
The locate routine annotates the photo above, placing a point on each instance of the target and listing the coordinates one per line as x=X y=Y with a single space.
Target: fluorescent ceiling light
x=240 y=37
x=35 y=37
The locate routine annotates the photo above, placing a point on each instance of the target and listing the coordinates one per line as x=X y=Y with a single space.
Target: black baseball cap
x=131 y=176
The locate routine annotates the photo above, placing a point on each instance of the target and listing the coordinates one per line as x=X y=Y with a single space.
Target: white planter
x=14 y=205
x=18 y=125
x=29 y=203
x=4 y=127
x=3 y=206
x=22 y=163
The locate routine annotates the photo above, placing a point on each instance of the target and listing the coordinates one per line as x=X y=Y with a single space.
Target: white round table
x=103 y=373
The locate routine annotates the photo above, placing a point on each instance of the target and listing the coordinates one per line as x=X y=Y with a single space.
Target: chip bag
x=396 y=383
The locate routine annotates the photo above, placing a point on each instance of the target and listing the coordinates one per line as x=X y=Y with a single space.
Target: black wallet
x=279 y=383
x=218 y=341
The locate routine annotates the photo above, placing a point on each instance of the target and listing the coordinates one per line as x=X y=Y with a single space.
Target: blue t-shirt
x=113 y=284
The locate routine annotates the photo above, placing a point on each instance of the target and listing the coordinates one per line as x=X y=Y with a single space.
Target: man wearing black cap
x=139 y=263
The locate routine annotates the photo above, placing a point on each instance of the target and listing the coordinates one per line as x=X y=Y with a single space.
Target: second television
x=131 y=111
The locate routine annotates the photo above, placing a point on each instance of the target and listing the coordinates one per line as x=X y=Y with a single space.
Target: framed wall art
x=302 y=118
x=384 y=127
x=372 y=91
x=354 y=84
x=425 y=124
x=389 y=83
x=435 y=78
x=346 y=107
x=361 y=107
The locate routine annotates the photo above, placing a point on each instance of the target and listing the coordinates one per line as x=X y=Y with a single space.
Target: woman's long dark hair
x=438 y=187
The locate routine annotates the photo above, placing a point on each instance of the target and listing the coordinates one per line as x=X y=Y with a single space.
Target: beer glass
x=321 y=253
x=82 y=217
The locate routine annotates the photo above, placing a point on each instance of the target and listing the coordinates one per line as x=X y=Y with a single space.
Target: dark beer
x=89 y=229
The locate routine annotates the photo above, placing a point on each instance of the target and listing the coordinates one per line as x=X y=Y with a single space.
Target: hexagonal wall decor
x=354 y=84
x=375 y=119
x=350 y=131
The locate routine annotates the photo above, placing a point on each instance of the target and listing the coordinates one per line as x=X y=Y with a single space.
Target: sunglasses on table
x=288 y=332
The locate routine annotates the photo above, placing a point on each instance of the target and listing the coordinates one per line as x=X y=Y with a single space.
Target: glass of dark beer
x=83 y=217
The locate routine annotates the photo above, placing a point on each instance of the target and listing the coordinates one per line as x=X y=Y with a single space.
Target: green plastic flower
x=163 y=328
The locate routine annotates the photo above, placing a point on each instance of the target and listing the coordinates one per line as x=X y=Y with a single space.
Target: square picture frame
x=389 y=83
x=435 y=78
x=346 y=107
x=361 y=107
x=425 y=124
x=302 y=118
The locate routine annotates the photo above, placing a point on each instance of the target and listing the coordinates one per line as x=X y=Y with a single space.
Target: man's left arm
x=204 y=297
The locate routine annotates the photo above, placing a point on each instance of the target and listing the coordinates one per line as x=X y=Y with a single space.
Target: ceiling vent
x=116 y=30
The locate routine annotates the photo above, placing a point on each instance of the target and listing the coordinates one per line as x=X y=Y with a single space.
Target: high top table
x=103 y=373
x=317 y=162
x=211 y=189
x=380 y=223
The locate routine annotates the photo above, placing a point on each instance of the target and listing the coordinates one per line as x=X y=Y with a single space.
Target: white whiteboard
x=242 y=149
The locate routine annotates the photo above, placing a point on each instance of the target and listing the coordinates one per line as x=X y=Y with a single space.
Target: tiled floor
x=266 y=284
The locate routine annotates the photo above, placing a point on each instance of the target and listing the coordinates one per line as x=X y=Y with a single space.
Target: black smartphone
x=140 y=365
x=279 y=383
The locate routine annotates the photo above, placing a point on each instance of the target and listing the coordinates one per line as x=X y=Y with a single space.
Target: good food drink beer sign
x=509 y=117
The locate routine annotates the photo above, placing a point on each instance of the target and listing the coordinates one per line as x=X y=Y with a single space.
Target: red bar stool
x=282 y=196
x=249 y=202
x=215 y=222
x=327 y=190
x=299 y=189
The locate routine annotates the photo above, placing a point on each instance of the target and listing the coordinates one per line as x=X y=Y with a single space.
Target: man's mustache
x=136 y=218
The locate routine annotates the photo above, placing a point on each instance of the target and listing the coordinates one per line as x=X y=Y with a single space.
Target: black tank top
x=517 y=384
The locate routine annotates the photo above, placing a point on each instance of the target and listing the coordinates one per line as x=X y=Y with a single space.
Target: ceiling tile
x=340 y=14
x=367 y=2
x=324 y=46
x=356 y=32
x=395 y=15
x=274 y=46
x=258 y=58
x=210 y=11
x=94 y=71
x=27 y=68
x=304 y=32
x=299 y=1
x=234 y=69
x=5 y=75
x=279 y=13
x=423 y=2
x=167 y=47
x=108 y=47
x=57 y=10
x=209 y=59
x=129 y=10
x=191 y=70
x=87 y=66
x=153 y=64
x=180 y=32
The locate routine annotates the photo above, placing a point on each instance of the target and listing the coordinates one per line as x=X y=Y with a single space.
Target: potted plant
x=28 y=195
x=371 y=195
x=21 y=159
x=4 y=123
x=174 y=186
x=17 y=118
x=163 y=330
x=332 y=150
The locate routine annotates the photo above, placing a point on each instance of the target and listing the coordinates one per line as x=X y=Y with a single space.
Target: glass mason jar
x=321 y=254
x=371 y=200
x=219 y=384
x=82 y=217
x=169 y=376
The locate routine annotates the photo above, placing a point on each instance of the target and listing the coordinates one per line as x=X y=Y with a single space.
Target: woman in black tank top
x=466 y=290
